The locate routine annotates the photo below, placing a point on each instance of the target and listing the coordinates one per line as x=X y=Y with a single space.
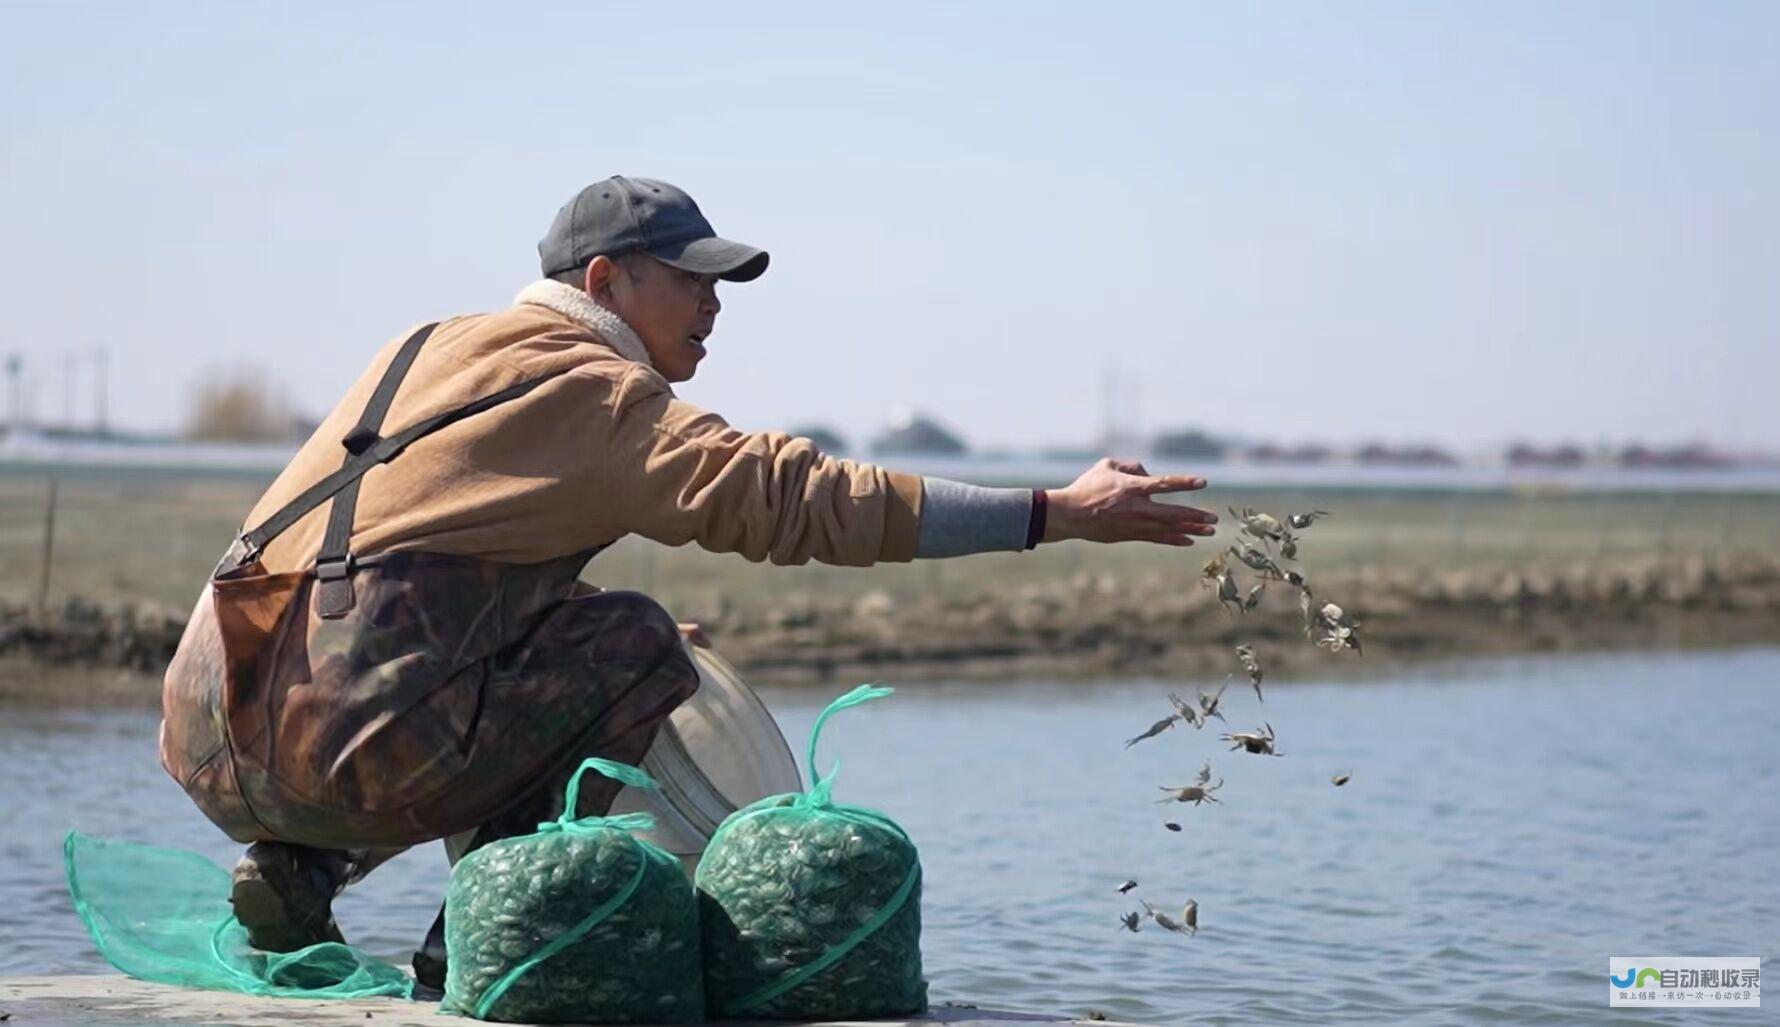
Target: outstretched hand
x=1111 y=502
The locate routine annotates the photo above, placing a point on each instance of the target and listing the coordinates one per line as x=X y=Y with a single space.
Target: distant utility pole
x=70 y=369
x=1121 y=416
x=15 y=366
x=1108 y=387
x=100 y=358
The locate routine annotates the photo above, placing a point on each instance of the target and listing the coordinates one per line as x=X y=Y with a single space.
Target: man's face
x=671 y=310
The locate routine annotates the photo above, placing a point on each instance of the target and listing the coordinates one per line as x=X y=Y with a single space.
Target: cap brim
x=730 y=261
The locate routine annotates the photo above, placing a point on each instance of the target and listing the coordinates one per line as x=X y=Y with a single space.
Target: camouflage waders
x=371 y=703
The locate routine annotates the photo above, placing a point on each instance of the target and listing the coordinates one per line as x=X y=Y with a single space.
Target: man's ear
x=597 y=278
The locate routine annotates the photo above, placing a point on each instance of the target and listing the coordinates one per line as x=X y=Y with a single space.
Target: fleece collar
x=576 y=305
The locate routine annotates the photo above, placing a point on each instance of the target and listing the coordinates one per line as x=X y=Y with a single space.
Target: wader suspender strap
x=333 y=564
x=367 y=449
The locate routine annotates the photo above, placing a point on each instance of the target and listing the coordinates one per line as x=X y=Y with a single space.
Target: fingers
x=1118 y=506
x=1182 y=518
x=1173 y=483
x=1171 y=525
x=1159 y=538
x=1161 y=524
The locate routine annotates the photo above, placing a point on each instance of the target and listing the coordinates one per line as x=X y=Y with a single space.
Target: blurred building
x=910 y=432
x=1189 y=443
x=1273 y=453
x=826 y=439
x=1523 y=454
x=1693 y=455
x=1379 y=453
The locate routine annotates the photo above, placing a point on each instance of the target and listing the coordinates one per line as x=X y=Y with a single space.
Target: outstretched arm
x=677 y=474
x=1110 y=502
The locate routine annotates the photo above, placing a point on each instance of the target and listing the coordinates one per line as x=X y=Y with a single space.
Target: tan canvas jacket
x=599 y=452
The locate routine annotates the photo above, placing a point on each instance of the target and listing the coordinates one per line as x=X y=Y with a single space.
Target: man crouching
x=398 y=649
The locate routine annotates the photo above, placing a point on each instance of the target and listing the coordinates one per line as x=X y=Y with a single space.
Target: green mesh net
x=163 y=915
x=581 y=921
x=812 y=910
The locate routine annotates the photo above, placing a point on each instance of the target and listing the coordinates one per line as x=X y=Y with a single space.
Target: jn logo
x=1635 y=978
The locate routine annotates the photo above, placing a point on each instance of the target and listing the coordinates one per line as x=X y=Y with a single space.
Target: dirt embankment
x=1088 y=625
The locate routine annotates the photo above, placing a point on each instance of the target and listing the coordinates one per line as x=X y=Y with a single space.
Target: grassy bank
x=1428 y=574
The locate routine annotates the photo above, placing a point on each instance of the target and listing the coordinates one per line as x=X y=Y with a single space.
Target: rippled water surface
x=1508 y=827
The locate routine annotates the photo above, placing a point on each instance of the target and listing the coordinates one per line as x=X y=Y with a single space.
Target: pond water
x=1509 y=825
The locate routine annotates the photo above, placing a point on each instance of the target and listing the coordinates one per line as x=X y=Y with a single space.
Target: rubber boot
x=284 y=894
x=429 y=959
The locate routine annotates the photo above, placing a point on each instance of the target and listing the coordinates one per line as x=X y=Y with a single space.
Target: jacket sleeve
x=678 y=474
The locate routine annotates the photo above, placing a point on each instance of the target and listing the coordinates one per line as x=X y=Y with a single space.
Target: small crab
x=1216 y=574
x=1258 y=742
x=1227 y=593
x=1197 y=793
x=1208 y=704
x=1257 y=560
x=1340 y=779
x=1339 y=630
x=1260 y=525
x=1154 y=729
x=1246 y=653
x=1253 y=599
x=1171 y=825
x=1187 y=711
x=1305 y=520
x=1131 y=921
x=1288 y=545
x=1168 y=923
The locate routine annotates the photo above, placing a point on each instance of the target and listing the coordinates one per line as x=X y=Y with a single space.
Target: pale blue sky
x=1463 y=223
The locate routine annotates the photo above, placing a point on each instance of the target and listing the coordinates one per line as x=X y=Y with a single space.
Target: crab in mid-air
x=1197 y=793
x=1187 y=924
x=1208 y=704
x=1246 y=653
x=1260 y=525
x=1258 y=742
x=1154 y=729
x=1339 y=630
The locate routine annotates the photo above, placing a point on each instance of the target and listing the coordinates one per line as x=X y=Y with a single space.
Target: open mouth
x=697 y=339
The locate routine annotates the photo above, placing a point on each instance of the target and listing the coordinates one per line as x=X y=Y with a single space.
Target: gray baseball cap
x=625 y=215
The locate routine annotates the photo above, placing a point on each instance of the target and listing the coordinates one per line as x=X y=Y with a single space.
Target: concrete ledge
x=115 y=999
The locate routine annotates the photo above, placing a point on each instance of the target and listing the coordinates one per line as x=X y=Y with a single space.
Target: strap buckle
x=333 y=589
x=360 y=439
x=241 y=552
x=335 y=569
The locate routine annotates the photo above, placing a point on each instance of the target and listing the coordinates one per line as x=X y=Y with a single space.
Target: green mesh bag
x=812 y=910
x=581 y=921
x=163 y=915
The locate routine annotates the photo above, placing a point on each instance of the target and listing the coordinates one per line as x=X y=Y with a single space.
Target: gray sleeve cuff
x=959 y=519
